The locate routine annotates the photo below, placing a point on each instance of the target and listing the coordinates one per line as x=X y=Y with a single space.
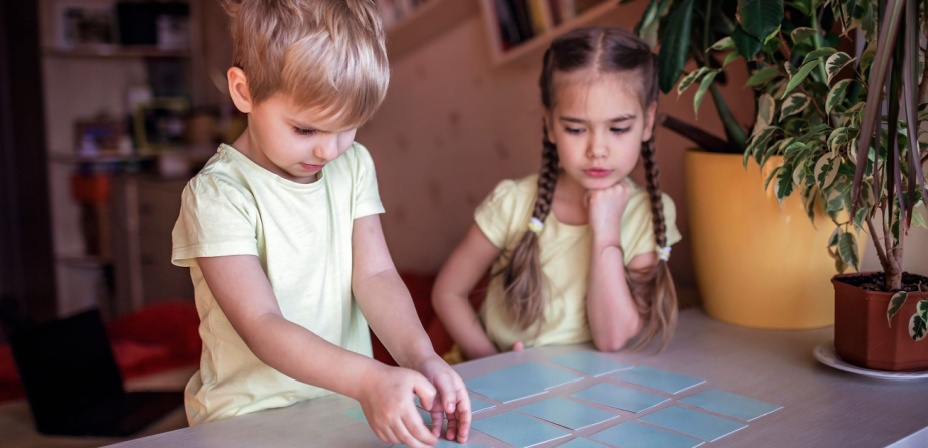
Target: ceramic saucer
x=825 y=353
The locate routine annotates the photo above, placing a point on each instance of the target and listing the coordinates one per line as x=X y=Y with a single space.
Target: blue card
x=694 y=423
x=566 y=413
x=732 y=405
x=518 y=429
x=519 y=381
x=580 y=442
x=634 y=435
x=477 y=405
x=620 y=397
x=358 y=414
x=590 y=363
x=672 y=383
x=442 y=443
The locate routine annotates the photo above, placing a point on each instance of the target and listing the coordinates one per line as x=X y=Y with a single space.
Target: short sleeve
x=366 y=198
x=497 y=214
x=217 y=218
x=638 y=229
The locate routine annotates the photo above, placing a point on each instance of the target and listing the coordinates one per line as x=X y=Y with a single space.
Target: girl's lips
x=310 y=167
x=597 y=172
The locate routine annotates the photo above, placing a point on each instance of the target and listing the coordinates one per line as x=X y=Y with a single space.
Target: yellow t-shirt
x=301 y=234
x=565 y=259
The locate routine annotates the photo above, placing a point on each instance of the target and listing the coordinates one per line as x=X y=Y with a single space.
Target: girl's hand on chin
x=605 y=208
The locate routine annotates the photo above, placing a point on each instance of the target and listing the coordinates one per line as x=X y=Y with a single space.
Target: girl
x=579 y=252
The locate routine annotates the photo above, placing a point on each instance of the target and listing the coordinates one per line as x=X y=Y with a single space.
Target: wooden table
x=822 y=406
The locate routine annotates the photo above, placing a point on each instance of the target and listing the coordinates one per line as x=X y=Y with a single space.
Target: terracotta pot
x=863 y=336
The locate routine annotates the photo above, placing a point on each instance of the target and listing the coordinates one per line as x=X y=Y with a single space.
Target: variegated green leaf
x=833 y=239
x=703 y=87
x=836 y=95
x=766 y=111
x=918 y=218
x=847 y=249
x=690 y=79
x=784 y=186
x=800 y=75
x=801 y=33
x=825 y=172
x=818 y=53
x=725 y=43
x=760 y=77
x=918 y=324
x=773 y=174
x=840 y=138
x=894 y=304
x=794 y=104
x=730 y=57
x=835 y=63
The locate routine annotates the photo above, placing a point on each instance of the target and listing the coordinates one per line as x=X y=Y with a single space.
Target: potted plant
x=756 y=260
x=847 y=125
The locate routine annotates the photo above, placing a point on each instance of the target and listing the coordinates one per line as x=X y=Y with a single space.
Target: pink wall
x=453 y=125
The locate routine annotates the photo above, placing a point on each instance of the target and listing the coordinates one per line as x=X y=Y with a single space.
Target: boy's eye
x=570 y=130
x=618 y=130
x=301 y=131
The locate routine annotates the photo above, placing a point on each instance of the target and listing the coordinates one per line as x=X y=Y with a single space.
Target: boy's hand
x=451 y=401
x=387 y=402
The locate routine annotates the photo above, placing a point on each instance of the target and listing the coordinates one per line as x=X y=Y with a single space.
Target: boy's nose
x=326 y=149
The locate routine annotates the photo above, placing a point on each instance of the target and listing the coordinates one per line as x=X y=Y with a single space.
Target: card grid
x=558 y=416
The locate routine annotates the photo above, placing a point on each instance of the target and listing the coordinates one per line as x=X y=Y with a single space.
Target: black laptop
x=73 y=384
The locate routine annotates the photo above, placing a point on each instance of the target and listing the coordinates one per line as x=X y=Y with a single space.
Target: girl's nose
x=596 y=147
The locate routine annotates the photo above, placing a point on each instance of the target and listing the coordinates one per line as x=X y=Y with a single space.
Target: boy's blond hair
x=327 y=55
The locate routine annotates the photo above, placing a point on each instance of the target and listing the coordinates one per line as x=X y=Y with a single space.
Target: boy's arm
x=462 y=271
x=387 y=305
x=245 y=296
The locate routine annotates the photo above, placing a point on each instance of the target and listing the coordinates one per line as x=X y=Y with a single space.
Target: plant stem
x=733 y=130
x=817 y=39
x=880 y=253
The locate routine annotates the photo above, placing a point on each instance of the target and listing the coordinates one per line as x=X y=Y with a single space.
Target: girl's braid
x=547 y=179
x=652 y=175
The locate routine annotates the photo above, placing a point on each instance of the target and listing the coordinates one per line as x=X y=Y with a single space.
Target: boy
x=282 y=235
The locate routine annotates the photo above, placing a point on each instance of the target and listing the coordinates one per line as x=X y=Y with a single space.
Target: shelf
x=531 y=50
x=115 y=51
x=100 y=158
x=84 y=261
x=425 y=24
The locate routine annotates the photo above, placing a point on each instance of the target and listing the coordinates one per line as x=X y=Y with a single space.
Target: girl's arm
x=245 y=296
x=388 y=307
x=464 y=268
x=610 y=308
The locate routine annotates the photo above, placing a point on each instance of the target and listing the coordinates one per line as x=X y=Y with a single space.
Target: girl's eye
x=618 y=130
x=573 y=130
x=301 y=131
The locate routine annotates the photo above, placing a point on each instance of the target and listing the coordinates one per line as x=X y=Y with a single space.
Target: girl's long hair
x=608 y=50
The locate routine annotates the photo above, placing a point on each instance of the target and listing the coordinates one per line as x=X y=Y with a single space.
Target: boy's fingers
x=425 y=391
x=415 y=433
x=463 y=417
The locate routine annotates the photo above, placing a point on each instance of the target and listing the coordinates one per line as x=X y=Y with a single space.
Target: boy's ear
x=649 y=116
x=238 y=89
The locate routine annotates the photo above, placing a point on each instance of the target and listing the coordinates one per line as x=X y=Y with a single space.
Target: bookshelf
x=424 y=22
x=519 y=30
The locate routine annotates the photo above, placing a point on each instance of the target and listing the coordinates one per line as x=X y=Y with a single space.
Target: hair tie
x=535 y=225
x=663 y=253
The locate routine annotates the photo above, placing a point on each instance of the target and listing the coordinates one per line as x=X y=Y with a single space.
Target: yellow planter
x=758 y=263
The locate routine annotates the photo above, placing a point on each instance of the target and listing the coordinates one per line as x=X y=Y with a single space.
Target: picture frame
x=83 y=23
x=160 y=123
x=97 y=135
